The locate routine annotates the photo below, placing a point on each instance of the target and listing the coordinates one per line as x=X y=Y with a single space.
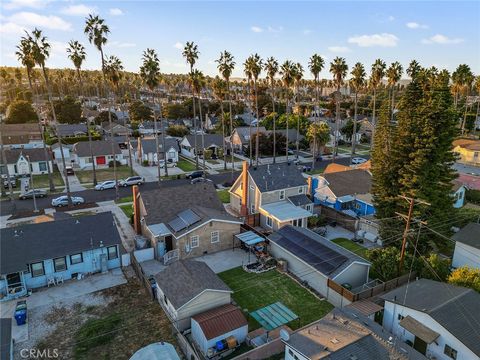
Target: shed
x=218 y=324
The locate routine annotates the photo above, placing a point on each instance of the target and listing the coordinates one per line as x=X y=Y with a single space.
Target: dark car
x=195 y=174
x=69 y=170
x=12 y=182
x=201 y=180
x=29 y=194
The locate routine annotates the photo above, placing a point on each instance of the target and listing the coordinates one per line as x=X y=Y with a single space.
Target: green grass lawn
x=224 y=196
x=125 y=199
x=253 y=291
x=86 y=176
x=315 y=171
x=186 y=165
x=127 y=209
x=350 y=245
x=41 y=181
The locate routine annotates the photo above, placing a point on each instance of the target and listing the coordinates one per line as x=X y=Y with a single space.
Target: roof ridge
x=457 y=297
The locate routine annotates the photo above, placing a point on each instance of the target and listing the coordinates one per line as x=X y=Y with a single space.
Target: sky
x=435 y=33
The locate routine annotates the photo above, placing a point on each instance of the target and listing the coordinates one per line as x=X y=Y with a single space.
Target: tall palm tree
x=316 y=64
x=225 y=66
x=247 y=69
x=76 y=53
x=150 y=74
x=25 y=56
x=287 y=70
x=394 y=74
x=219 y=88
x=413 y=69
x=271 y=68
x=298 y=75
x=338 y=68
x=198 y=83
x=357 y=83
x=463 y=79
x=190 y=53
x=376 y=77
x=477 y=88
x=40 y=52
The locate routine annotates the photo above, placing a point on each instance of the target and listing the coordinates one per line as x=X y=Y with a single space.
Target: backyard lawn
x=41 y=181
x=86 y=176
x=224 y=196
x=350 y=245
x=186 y=165
x=253 y=291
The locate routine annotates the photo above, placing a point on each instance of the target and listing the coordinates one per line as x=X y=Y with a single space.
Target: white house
x=467 y=247
x=102 y=154
x=212 y=142
x=439 y=320
x=57 y=154
x=26 y=161
x=146 y=150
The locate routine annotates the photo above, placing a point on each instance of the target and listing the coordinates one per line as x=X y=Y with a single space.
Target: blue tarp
x=249 y=238
x=273 y=316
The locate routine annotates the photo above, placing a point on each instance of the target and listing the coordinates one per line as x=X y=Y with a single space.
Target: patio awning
x=273 y=316
x=346 y=198
x=249 y=238
x=284 y=211
x=418 y=329
x=159 y=229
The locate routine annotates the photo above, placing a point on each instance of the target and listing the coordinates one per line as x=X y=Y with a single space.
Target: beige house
x=276 y=192
x=468 y=151
x=184 y=220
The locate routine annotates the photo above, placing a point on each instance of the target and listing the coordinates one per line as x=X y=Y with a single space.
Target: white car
x=358 y=160
x=109 y=184
x=63 y=201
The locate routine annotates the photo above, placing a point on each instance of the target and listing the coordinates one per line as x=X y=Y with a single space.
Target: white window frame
x=281 y=195
x=308 y=207
x=269 y=222
x=215 y=235
x=194 y=241
x=450 y=352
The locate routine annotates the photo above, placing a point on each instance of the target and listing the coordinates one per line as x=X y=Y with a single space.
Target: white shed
x=467 y=247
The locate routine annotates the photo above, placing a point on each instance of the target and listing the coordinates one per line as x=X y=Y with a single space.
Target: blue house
x=346 y=191
x=35 y=254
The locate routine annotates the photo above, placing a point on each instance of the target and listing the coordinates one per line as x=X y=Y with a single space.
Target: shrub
x=110 y=163
x=473 y=196
x=145 y=162
x=95 y=332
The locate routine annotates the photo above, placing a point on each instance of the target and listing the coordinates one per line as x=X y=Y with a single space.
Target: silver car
x=63 y=201
x=358 y=160
x=132 y=180
x=109 y=184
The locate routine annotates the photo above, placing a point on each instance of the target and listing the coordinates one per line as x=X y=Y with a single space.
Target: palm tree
x=198 y=83
x=25 y=56
x=376 y=76
x=40 y=48
x=297 y=74
x=219 y=87
x=113 y=72
x=357 y=83
x=225 y=66
x=477 y=88
x=190 y=53
x=394 y=74
x=463 y=79
x=287 y=70
x=271 y=68
x=318 y=134
x=316 y=64
x=150 y=74
x=76 y=53
x=338 y=68
x=247 y=69
x=413 y=69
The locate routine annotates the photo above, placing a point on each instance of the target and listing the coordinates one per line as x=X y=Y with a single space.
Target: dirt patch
x=26 y=214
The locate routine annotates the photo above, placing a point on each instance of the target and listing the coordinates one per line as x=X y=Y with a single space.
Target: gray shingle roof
x=25 y=244
x=469 y=235
x=453 y=307
x=209 y=139
x=244 y=132
x=276 y=177
x=71 y=129
x=349 y=182
x=149 y=145
x=183 y=280
x=36 y=154
x=299 y=200
x=100 y=147
x=5 y=337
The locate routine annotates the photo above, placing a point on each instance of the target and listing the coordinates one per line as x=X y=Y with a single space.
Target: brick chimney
x=244 y=207
x=136 y=210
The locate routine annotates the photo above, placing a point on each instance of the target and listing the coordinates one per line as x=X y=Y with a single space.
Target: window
x=112 y=252
x=252 y=209
x=400 y=317
x=450 y=352
x=357 y=206
x=37 y=269
x=76 y=259
x=60 y=264
x=300 y=190
x=282 y=195
x=269 y=222
x=215 y=237
x=194 y=241
x=42 y=165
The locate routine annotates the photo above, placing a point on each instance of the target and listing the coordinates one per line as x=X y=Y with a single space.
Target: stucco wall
x=274 y=196
x=466 y=255
x=197 y=334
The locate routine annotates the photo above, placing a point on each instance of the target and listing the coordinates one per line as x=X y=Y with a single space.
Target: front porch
x=13 y=286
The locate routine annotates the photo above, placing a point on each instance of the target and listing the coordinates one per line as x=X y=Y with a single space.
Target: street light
x=33 y=186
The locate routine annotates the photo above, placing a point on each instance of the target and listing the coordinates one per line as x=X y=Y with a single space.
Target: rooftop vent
x=334 y=341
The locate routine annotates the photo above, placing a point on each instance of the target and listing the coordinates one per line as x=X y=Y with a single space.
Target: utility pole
x=408 y=220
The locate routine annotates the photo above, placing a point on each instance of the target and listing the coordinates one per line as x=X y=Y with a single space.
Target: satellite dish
x=284 y=335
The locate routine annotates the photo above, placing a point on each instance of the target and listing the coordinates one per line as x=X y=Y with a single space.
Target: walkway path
x=72 y=180
x=123 y=224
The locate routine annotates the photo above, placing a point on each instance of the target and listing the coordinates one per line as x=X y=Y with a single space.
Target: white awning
x=284 y=211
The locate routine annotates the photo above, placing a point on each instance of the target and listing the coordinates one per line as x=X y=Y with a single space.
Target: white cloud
x=12 y=28
x=17 y=4
x=29 y=19
x=414 y=25
x=383 y=40
x=178 y=45
x=442 y=39
x=391 y=18
x=339 y=49
x=115 y=12
x=256 y=29
x=58 y=47
x=275 y=29
x=307 y=32
x=80 y=10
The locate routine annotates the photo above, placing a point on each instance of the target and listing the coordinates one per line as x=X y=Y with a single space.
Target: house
x=439 y=320
x=118 y=129
x=458 y=194
x=276 y=192
x=187 y=288
x=468 y=151
x=57 y=154
x=148 y=128
x=315 y=260
x=467 y=246
x=218 y=324
x=27 y=135
x=292 y=134
x=343 y=334
x=347 y=191
x=27 y=161
x=184 y=220
x=71 y=130
x=240 y=137
x=34 y=254
x=146 y=150
x=213 y=142
x=102 y=153
x=6 y=340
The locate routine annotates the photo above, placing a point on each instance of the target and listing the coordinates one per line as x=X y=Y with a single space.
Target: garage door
x=101 y=160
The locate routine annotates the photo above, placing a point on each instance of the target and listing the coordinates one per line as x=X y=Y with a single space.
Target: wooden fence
x=140 y=274
x=344 y=220
x=252 y=220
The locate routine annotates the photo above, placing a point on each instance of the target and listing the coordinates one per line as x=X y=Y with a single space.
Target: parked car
x=69 y=170
x=132 y=180
x=63 y=201
x=170 y=163
x=195 y=174
x=358 y=160
x=109 y=184
x=12 y=180
x=29 y=194
x=200 y=180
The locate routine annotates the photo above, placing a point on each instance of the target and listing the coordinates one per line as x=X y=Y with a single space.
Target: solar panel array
x=318 y=255
x=183 y=220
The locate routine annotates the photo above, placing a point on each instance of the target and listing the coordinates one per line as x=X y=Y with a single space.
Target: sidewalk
x=123 y=223
x=72 y=180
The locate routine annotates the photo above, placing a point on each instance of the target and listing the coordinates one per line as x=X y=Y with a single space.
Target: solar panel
x=189 y=217
x=177 y=224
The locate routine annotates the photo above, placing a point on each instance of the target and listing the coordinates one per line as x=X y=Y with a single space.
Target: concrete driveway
x=150 y=173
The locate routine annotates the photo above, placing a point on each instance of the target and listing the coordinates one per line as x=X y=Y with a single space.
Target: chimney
x=244 y=209
x=136 y=210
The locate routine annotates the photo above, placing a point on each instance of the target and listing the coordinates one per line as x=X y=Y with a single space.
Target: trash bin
x=21 y=316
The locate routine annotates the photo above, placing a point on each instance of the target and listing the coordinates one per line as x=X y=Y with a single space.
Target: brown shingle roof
x=220 y=320
x=350 y=182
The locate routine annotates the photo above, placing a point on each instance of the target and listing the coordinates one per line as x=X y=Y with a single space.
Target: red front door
x=101 y=160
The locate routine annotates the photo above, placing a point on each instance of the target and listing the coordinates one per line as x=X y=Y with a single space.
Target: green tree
x=338 y=68
x=175 y=111
x=437 y=268
x=178 y=131
x=68 y=110
x=347 y=129
x=287 y=70
x=467 y=277
x=20 y=112
x=104 y=117
x=138 y=111
x=376 y=76
x=357 y=83
x=385 y=263
x=271 y=68
x=318 y=134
